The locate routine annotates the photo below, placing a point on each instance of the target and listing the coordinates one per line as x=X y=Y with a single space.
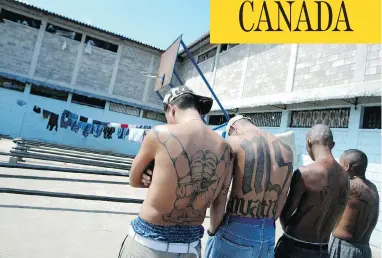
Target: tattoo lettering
x=263 y=164
x=199 y=176
x=252 y=208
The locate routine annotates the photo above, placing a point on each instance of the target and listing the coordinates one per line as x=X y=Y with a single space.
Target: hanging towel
x=53 y=122
x=45 y=114
x=90 y=120
x=97 y=130
x=37 y=110
x=124 y=126
x=116 y=125
x=136 y=134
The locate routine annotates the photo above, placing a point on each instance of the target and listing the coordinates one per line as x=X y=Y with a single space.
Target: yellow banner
x=270 y=21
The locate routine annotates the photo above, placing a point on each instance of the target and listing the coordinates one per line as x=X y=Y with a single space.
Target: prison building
x=295 y=86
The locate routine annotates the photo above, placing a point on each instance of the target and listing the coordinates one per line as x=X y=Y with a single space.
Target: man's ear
x=309 y=141
x=172 y=110
x=347 y=167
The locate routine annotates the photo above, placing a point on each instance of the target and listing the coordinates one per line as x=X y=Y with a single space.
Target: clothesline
x=78 y=123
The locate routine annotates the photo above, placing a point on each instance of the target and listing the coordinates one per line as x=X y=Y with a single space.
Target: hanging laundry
x=136 y=134
x=90 y=120
x=89 y=46
x=97 y=129
x=86 y=129
x=45 y=114
x=65 y=119
x=53 y=122
x=76 y=126
x=108 y=132
x=122 y=132
x=124 y=126
x=83 y=119
x=37 y=110
x=116 y=125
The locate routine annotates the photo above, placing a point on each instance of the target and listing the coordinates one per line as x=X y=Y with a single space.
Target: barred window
x=11 y=84
x=334 y=118
x=124 y=109
x=154 y=115
x=371 y=118
x=49 y=93
x=218 y=119
x=267 y=119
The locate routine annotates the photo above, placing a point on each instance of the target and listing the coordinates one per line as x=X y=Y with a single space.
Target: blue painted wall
x=18 y=121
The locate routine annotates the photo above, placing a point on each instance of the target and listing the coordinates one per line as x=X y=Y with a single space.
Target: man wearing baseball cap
x=192 y=172
x=261 y=179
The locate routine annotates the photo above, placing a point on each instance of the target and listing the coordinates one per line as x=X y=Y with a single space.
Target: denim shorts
x=242 y=237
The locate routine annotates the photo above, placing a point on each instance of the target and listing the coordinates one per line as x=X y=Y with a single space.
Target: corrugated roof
x=32 y=7
x=197 y=41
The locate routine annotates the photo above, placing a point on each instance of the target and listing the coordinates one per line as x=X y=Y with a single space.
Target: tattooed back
x=324 y=190
x=262 y=174
x=191 y=164
x=361 y=213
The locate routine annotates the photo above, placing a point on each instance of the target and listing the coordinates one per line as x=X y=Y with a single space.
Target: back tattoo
x=199 y=176
x=257 y=151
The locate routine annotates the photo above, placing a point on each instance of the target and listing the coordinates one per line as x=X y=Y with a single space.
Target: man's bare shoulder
x=362 y=188
x=312 y=173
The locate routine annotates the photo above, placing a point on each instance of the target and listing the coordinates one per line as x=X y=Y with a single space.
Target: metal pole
x=160 y=96
x=220 y=126
x=178 y=77
x=204 y=79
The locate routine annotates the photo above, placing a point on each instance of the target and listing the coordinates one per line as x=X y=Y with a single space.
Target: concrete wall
x=54 y=62
x=246 y=71
x=373 y=63
x=20 y=121
x=17 y=43
x=37 y=54
x=96 y=70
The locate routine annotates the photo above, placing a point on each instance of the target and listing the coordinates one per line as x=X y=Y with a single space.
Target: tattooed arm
x=218 y=206
x=295 y=194
x=145 y=157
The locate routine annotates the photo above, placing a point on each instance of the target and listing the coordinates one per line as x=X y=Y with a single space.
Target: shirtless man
x=316 y=200
x=352 y=234
x=192 y=172
x=262 y=174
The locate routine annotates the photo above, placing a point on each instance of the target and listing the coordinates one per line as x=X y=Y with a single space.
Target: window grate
x=267 y=119
x=371 y=117
x=129 y=110
x=334 y=118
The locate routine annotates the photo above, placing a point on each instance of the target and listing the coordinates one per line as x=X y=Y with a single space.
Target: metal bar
x=220 y=126
x=204 y=79
x=171 y=85
x=63 y=169
x=178 y=77
x=160 y=96
x=69 y=195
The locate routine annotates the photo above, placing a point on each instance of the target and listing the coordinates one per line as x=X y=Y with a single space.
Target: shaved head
x=320 y=135
x=357 y=161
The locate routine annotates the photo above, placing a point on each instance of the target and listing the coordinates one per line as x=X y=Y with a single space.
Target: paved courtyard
x=45 y=227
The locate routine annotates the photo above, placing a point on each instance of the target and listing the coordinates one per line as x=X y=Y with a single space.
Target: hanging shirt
x=136 y=135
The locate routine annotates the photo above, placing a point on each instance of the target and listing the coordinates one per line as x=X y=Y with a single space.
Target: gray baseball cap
x=205 y=103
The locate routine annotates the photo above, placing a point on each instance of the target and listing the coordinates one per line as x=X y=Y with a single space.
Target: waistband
x=307 y=245
x=179 y=248
x=251 y=221
x=351 y=244
x=170 y=234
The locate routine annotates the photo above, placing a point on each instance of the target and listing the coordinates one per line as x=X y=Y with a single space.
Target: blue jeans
x=240 y=238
